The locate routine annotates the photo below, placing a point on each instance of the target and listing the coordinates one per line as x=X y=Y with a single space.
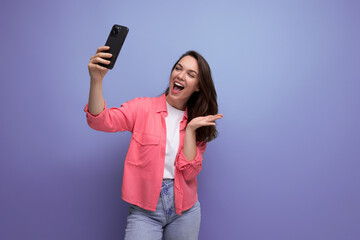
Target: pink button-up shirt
x=145 y=159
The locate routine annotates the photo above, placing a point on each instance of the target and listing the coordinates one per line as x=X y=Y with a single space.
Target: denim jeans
x=164 y=223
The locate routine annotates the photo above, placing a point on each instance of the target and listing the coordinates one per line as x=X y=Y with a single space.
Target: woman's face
x=184 y=82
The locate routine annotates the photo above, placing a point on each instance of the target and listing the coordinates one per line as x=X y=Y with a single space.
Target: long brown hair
x=203 y=102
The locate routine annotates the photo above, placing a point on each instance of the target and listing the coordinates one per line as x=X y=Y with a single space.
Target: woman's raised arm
x=97 y=74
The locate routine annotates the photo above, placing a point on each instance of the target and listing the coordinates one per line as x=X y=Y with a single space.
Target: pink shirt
x=144 y=163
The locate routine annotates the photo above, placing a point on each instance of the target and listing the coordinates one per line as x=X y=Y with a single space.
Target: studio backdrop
x=285 y=164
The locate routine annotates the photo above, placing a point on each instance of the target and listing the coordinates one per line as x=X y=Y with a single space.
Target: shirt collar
x=161 y=105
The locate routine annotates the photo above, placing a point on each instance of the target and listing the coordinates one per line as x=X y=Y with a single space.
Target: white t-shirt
x=172 y=121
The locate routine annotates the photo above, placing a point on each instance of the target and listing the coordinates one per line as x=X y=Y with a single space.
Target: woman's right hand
x=96 y=71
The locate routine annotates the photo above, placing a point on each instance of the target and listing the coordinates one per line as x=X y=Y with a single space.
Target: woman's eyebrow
x=189 y=69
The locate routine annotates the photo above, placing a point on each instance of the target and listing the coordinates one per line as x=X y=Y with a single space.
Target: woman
x=169 y=136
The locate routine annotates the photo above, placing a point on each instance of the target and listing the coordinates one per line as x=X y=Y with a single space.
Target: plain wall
x=285 y=164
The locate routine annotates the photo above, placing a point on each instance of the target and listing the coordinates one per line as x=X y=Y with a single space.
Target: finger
x=97 y=66
x=203 y=124
x=102 y=49
x=101 y=67
x=103 y=55
x=213 y=117
x=218 y=115
x=100 y=60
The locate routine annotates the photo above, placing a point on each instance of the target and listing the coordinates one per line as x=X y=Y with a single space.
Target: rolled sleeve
x=90 y=116
x=114 y=119
x=191 y=169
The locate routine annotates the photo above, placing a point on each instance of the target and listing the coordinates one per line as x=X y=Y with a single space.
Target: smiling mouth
x=177 y=87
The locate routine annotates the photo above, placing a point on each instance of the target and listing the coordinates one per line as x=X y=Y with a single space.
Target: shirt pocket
x=143 y=148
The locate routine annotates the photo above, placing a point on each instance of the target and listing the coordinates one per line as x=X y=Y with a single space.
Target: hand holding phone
x=101 y=57
x=115 y=41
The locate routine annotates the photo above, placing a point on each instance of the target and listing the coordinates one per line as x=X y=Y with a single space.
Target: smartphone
x=115 y=41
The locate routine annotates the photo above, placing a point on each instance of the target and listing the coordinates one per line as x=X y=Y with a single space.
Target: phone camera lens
x=115 y=30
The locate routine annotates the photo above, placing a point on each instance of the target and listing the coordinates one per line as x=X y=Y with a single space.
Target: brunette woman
x=169 y=137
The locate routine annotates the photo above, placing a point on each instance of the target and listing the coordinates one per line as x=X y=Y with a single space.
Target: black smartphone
x=115 y=41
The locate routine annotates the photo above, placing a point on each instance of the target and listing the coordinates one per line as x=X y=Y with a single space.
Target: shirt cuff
x=89 y=115
x=185 y=163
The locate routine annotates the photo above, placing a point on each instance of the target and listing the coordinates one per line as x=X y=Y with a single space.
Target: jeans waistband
x=167 y=183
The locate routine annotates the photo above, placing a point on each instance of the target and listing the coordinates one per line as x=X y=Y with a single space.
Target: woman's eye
x=192 y=76
x=177 y=68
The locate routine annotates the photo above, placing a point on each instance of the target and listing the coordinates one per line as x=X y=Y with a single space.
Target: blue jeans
x=164 y=223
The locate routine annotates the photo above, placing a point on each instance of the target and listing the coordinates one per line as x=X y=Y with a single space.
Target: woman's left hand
x=208 y=120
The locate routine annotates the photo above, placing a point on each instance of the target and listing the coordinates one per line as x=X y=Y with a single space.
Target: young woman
x=169 y=136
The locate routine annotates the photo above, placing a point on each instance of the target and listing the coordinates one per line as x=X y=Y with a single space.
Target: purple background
x=285 y=164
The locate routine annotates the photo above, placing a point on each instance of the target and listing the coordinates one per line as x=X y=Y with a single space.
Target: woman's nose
x=182 y=75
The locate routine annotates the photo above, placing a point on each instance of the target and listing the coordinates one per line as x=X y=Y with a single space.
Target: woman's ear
x=197 y=89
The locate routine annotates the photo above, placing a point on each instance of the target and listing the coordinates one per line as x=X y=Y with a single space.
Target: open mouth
x=177 y=87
